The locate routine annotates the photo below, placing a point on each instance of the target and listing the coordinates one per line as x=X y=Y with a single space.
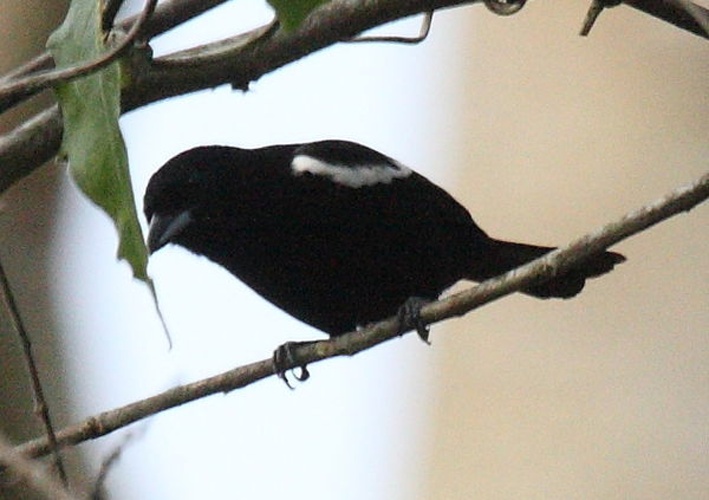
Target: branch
x=17 y=90
x=172 y=13
x=166 y=16
x=32 y=473
x=29 y=146
x=683 y=14
x=238 y=60
x=680 y=200
x=41 y=408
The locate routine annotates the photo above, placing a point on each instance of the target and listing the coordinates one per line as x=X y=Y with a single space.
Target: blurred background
x=543 y=135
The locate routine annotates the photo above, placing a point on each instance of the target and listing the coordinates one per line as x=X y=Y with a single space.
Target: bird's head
x=181 y=189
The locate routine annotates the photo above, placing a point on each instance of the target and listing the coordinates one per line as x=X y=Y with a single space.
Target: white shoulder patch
x=350 y=176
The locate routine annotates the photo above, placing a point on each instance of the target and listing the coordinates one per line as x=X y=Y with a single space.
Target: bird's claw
x=409 y=316
x=283 y=361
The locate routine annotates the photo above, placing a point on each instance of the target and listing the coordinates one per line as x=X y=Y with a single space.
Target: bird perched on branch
x=332 y=232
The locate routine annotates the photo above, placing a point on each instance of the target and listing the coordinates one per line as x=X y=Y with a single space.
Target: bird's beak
x=163 y=228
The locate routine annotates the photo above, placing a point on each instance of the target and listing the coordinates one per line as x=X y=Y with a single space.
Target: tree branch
x=683 y=14
x=29 y=146
x=32 y=473
x=679 y=200
x=22 y=88
x=166 y=16
x=238 y=60
x=41 y=407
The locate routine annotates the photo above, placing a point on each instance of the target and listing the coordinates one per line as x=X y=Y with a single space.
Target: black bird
x=332 y=232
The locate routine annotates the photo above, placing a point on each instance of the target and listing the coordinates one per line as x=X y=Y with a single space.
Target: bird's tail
x=505 y=256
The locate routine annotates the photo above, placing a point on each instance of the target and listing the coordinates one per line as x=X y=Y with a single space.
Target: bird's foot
x=283 y=361
x=409 y=316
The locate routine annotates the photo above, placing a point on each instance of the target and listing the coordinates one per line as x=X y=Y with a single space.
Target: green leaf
x=92 y=140
x=291 y=13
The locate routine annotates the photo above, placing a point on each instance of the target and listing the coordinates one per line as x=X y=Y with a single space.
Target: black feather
x=343 y=240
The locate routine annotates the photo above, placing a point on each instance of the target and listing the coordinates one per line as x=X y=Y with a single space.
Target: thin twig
x=40 y=402
x=109 y=11
x=424 y=30
x=15 y=90
x=172 y=13
x=700 y=14
x=109 y=463
x=167 y=15
x=29 y=145
x=679 y=200
x=32 y=473
x=231 y=61
x=675 y=13
x=595 y=10
x=683 y=14
x=240 y=60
